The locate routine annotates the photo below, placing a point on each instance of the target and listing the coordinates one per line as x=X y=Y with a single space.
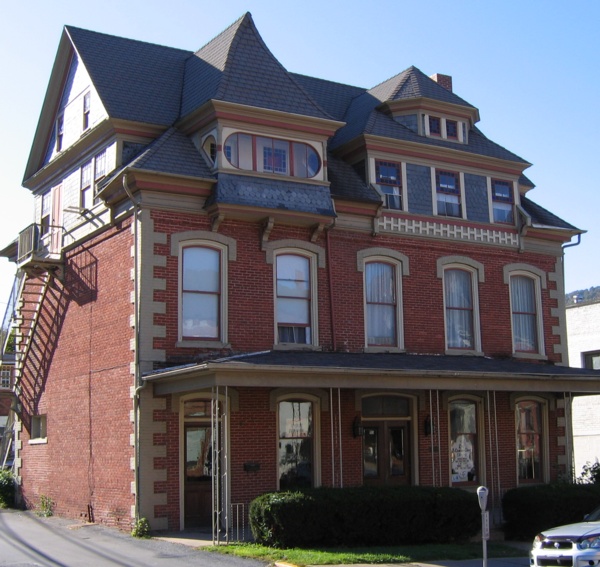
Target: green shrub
x=141 y=528
x=364 y=516
x=45 y=508
x=529 y=510
x=7 y=489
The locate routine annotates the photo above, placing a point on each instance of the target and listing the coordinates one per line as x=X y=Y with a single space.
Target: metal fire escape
x=37 y=253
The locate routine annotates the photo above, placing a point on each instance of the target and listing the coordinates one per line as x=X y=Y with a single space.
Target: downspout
x=331 y=302
x=137 y=377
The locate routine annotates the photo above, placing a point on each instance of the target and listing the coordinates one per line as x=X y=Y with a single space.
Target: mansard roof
x=542 y=217
x=284 y=195
x=238 y=67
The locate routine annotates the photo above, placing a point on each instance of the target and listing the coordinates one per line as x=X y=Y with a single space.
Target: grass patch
x=373 y=555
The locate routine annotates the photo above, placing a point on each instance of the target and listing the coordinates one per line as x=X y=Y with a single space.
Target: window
x=210 y=149
x=448 y=194
x=524 y=308
x=293 y=304
x=46 y=212
x=38 y=428
x=435 y=126
x=463 y=441
x=381 y=304
x=591 y=360
x=452 y=129
x=86 y=186
x=388 y=176
x=201 y=293
x=271 y=155
x=529 y=441
x=296 y=444
x=502 y=201
x=5 y=376
x=86 y=110
x=100 y=165
x=60 y=126
x=458 y=299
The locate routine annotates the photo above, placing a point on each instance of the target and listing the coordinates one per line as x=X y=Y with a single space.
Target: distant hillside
x=583 y=295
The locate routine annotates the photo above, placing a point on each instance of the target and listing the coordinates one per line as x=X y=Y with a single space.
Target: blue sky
x=532 y=68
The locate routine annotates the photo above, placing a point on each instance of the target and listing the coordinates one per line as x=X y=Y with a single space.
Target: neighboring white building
x=583 y=329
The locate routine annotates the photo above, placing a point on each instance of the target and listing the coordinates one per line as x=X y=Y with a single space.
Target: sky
x=532 y=68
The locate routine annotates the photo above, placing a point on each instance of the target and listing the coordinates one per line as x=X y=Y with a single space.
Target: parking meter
x=482 y=494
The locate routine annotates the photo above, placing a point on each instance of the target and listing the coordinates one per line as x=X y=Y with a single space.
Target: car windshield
x=594 y=516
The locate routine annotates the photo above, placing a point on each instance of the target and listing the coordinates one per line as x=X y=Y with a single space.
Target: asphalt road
x=28 y=540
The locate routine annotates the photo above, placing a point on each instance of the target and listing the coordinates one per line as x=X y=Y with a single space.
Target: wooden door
x=386 y=453
x=198 y=476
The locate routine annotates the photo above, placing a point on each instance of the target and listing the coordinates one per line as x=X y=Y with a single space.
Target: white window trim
x=404 y=181
x=491 y=201
x=481 y=456
x=401 y=267
x=539 y=279
x=39 y=440
x=477 y=271
x=545 y=437
x=228 y=251
x=316 y=401
x=316 y=257
x=434 y=193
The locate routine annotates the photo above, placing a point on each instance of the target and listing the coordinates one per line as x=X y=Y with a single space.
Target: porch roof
x=278 y=368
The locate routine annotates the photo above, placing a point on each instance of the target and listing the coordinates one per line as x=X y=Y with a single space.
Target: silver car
x=573 y=545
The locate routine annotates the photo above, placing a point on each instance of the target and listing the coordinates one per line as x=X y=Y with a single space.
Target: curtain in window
x=381 y=304
x=524 y=313
x=459 y=309
x=463 y=441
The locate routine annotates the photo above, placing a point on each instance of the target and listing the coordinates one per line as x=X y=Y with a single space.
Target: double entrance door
x=386 y=452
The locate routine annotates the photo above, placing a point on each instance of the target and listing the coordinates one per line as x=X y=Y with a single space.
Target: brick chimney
x=443 y=80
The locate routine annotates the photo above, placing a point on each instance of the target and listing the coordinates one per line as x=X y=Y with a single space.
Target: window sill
x=383 y=349
x=201 y=344
x=530 y=355
x=295 y=346
x=39 y=441
x=463 y=352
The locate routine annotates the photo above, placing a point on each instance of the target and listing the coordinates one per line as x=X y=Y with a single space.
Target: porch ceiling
x=302 y=369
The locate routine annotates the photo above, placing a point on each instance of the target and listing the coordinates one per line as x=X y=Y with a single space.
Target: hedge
x=529 y=510
x=7 y=489
x=365 y=516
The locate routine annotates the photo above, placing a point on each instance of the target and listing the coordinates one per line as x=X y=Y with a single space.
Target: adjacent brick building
x=240 y=279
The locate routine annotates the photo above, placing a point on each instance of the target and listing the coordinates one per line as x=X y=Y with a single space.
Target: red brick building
x=241 y=279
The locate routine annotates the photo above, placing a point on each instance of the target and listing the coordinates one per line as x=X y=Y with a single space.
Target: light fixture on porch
x=428 y=426
x=357 y=429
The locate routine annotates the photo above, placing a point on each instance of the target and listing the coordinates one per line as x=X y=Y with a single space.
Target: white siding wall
x=583 y=328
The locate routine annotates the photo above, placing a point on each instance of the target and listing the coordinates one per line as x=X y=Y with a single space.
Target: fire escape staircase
x=38 y=259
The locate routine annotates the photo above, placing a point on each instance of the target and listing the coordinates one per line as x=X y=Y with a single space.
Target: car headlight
x=537 y=541
x=592 y=542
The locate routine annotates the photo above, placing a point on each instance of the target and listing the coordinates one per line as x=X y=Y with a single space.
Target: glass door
x=386 y=453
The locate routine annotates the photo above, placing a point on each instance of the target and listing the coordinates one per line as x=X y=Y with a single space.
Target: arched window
x=529 y=427
x=201 y=293
x=464 y=458
x=296 y=447
x=293 y=306
x=458 y=296
x=381 y=304
x=524 y=314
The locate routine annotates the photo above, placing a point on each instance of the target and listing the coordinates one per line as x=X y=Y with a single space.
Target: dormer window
x=448 y=194
x=444 y=128
x=435 y=126
x=452 y=129
x=388 y=176
x=210 y=149
x=502 y=201
x=272 y=155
